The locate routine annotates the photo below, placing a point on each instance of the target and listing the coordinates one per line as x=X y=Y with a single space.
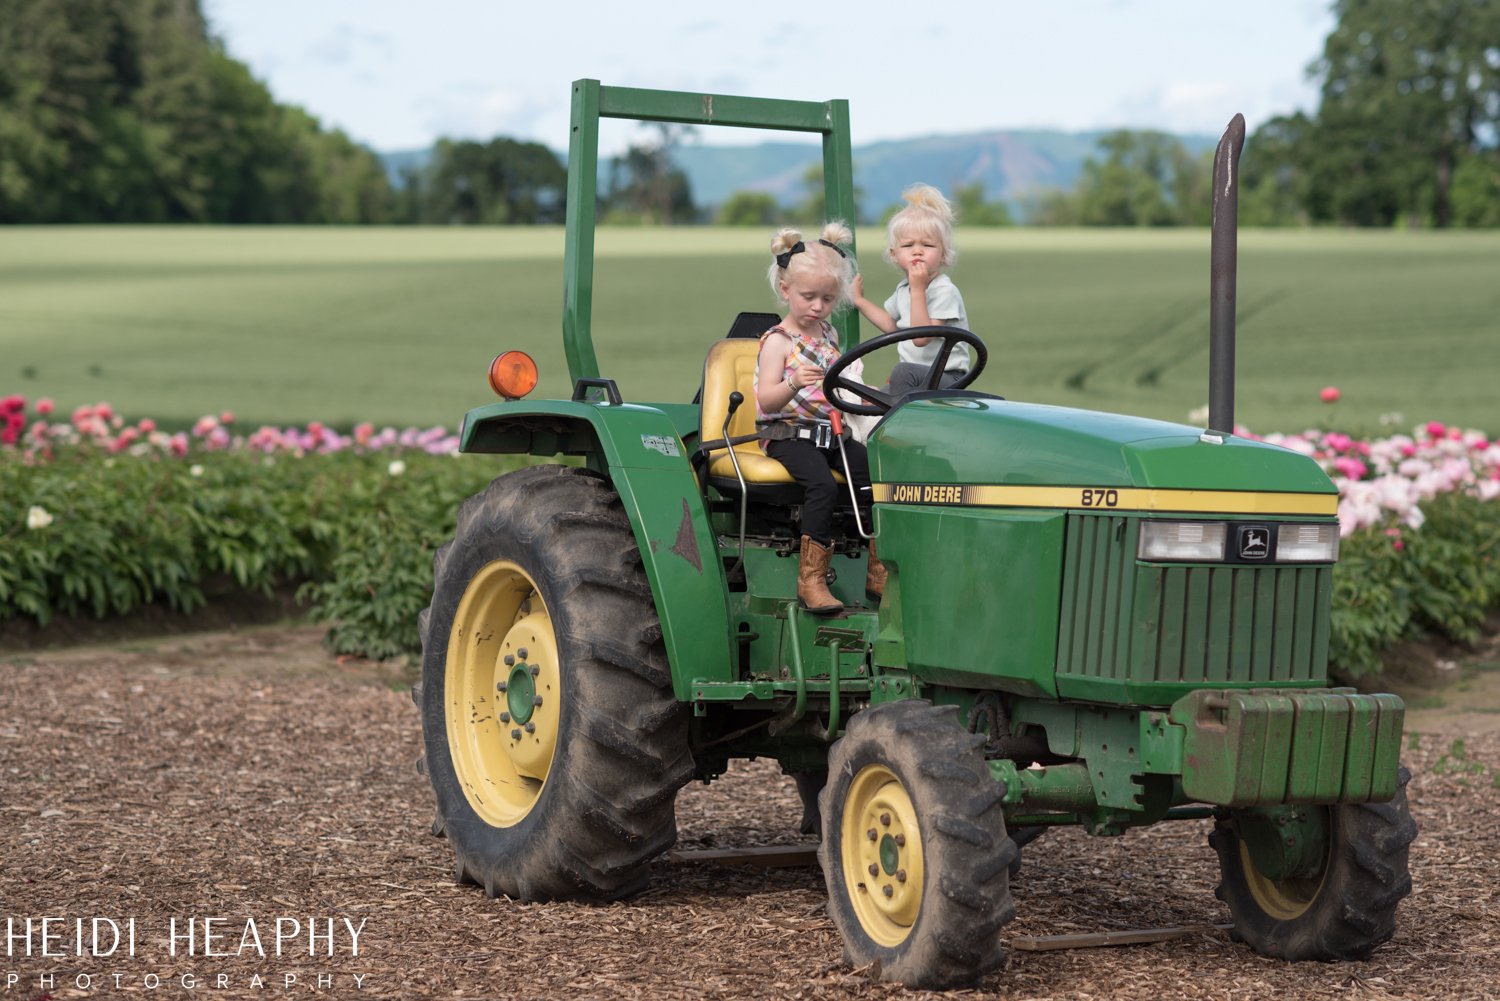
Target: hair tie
x=785 y=258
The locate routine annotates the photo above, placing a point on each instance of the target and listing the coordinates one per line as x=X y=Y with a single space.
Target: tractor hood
x=960 y=440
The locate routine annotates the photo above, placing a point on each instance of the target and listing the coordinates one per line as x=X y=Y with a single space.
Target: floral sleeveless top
x=820 y=352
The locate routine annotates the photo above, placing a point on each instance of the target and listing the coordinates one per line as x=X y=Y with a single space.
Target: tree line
x=128 y=111
x=132 y=111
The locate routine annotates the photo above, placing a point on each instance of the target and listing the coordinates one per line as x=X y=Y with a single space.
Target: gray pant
x=909 y=377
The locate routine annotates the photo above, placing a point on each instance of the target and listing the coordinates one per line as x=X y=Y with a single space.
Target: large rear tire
x=1344 y=910
x=914 y=848
x=553 y=742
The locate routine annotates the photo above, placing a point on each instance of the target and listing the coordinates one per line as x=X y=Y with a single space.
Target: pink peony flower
x=1330 y=394
x=227 y=417
x=45 y=406
x=1338 y=442
x=1350 y=467
x=1435 y=429
x=147 y=425
x=103 y=411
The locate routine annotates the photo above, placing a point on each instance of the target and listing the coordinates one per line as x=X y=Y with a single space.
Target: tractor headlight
x=1307 y=543
x=1195 y=541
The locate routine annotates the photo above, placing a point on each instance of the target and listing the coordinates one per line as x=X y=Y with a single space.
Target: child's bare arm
x=919 y=279
x=773 y=392
x=869 y=310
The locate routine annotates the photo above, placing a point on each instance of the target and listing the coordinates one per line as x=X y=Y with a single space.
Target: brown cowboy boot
x=875 y=574
x=812 y=580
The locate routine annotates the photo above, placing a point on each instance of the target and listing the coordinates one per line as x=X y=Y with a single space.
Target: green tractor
x=1091 y=620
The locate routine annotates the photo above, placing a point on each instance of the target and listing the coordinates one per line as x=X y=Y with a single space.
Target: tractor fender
x=639 y=449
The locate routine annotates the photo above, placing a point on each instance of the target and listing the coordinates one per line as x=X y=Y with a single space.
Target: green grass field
x=398 y=325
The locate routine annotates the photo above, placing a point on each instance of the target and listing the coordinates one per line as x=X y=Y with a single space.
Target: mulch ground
x=247 y=776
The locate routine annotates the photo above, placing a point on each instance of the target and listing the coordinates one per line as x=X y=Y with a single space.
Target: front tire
x=1344 y=910
x=553 y=742
x=927 y=894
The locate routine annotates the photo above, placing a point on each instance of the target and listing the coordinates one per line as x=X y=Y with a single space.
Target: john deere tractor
x=1091 y=620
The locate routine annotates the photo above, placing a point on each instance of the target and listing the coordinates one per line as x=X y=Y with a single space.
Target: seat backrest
x=752 y=325
x=730 y=366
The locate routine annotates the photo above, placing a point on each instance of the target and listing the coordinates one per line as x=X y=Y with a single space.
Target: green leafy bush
x=1397 y=583
x=380 y=577
x=100 y=535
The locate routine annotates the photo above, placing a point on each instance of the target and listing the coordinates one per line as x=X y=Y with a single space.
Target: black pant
x=813 y=468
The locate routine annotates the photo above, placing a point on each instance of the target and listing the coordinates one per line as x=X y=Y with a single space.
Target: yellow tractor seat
x=730 y=367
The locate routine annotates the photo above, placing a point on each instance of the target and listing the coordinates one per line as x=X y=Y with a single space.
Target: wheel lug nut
x=900 y=875
x=900 y=841
x=510 y=660
x=521 y=653
x=531 y=728
x=535 y=670
x=500 y=687
x=886 y=889
x=885 y=820
x=515 y=735
x=874 y=869
x=871 y=834
x=505 y=717
x=537 y=701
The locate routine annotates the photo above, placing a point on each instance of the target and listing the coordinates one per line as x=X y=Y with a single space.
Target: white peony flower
x=195 y=470
x=396 y=468
x=37 y=517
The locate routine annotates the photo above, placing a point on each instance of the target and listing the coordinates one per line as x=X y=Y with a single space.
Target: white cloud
x=470 y=111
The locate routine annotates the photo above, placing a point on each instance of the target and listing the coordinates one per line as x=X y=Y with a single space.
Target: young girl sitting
x=811 y=279
x=921 y=245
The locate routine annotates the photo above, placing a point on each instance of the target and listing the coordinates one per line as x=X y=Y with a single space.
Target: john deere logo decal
x=1255 y=543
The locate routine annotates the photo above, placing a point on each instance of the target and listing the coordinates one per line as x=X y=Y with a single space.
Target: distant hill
x=1010 y=163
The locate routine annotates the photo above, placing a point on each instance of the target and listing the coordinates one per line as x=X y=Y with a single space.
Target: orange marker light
x=513 y=374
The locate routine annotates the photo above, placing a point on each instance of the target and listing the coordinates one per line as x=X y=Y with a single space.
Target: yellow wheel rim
x=503 y=693
x=882 y=855
x=1282 y=899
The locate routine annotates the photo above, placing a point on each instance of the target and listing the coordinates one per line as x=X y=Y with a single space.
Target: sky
x=398 y=75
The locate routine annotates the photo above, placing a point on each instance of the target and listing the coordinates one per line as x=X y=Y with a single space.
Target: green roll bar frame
x=591 y=102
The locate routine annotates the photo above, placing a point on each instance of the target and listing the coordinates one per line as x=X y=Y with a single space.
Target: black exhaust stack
x=1225 y=262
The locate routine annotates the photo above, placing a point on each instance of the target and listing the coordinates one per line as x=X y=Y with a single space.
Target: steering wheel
x=878 y=403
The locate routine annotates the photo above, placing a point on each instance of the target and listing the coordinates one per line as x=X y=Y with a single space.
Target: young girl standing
x=812 y=280
x=920 y=239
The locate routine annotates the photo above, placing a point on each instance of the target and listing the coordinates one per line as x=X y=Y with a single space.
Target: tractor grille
x=1141 y=625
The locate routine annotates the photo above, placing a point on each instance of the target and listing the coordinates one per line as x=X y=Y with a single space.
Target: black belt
x=820 y=433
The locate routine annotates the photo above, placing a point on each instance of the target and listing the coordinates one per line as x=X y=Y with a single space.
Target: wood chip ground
x=248 y=775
